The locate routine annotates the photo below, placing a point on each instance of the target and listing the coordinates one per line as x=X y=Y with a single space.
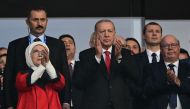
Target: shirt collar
x=149 y=52
x=72 y=63
x=176 y=63
x=109 y=49
x=42 y=38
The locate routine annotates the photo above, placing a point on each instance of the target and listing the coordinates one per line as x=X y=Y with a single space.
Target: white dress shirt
x=149 y=53
x=103 y=53
x=176 y=73
x=32 y=37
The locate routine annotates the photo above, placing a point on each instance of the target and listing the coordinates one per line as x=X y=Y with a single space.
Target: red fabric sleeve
x=21 y=81
x=60 y=84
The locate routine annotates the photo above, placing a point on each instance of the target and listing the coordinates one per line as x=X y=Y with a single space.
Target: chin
x=37 y=65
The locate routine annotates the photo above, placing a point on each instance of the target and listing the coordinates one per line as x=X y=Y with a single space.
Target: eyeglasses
x=40 y=53
x=166 y=46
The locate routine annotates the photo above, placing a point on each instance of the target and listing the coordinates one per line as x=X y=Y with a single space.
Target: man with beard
x=36 y=21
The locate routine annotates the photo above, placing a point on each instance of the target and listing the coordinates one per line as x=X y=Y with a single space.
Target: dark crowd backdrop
x=150 y=9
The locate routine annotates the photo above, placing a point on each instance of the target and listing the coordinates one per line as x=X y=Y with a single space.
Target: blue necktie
x=173 y=96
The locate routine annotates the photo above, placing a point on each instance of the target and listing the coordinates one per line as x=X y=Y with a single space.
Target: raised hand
x=118 y=47
x=173 y=79
x=98 y=46
x=45 y=58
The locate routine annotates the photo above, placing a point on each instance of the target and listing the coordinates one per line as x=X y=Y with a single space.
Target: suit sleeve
x=130 y=69
x=22 y=81
x=66 y=93
x=155 y=80
x=58 y=83
x=87 y=69
x=185 y=79
x=9 y=79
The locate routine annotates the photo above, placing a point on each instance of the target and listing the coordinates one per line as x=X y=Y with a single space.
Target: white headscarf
x=28 y=53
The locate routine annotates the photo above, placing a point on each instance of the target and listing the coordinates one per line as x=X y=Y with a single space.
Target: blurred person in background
x=76 y=94
x=2 y=70
x=183 y=54
x=3 y=50
x=133 y=45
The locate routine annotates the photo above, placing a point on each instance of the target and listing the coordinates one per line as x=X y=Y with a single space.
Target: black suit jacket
x=157 y=89
x=138 y=82
x=16 y=62
x=101 y=90
x=142 y=60
x=76 y=94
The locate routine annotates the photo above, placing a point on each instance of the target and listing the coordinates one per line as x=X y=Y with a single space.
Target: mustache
x=39 y=27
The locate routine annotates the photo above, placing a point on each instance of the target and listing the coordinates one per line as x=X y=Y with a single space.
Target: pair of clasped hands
x=172 y=78
x=44 y=57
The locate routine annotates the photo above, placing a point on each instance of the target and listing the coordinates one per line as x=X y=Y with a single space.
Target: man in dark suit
x=76 y=94
x=100 y=75
x=152 y=34
x=37 y=22
x=168 y=82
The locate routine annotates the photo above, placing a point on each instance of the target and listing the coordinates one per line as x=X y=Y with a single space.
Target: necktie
x=107 y=60
x=71 y=69
x=37 y=39
x=71 y=74
x=173 y=96
x=154 y=58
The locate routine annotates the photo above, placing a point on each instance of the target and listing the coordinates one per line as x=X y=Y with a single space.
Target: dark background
x=150 y=9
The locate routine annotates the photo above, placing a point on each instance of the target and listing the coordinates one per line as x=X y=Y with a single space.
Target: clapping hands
x=45 y=58
x=173 y=79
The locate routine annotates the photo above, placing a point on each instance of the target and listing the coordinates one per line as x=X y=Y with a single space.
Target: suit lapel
x=48 y=42
x=113 y=61
x=145 y=57
x=163 y=69
x=181 y=70
x=50 y=46
x=103 y=68
x=24 y=43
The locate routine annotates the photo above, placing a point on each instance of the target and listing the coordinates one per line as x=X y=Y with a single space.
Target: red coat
x=35 y=97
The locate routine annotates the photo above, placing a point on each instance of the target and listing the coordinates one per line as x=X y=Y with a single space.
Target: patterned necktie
x=107 y=60
x=37 y=39
x=154 y=58
x=173 y=96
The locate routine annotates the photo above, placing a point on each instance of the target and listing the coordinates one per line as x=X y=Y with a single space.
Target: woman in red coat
x=38 y=86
